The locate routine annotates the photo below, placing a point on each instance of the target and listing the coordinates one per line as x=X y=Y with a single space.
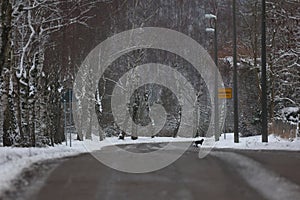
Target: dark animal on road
x=198 y=142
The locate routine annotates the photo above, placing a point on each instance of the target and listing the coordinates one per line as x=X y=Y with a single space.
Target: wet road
x=213 y=177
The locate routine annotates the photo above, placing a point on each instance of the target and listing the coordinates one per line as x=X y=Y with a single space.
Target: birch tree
x=27 y=27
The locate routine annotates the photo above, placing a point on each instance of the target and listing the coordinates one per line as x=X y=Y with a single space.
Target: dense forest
x=43 y=44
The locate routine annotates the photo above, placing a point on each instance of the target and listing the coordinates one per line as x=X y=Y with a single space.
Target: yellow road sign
x=225 y=93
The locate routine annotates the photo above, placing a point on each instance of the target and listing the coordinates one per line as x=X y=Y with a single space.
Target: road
x=213 y=177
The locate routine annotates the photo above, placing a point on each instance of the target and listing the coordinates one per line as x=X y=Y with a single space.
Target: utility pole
x=216 y=100
x=264 y=104
x=235 y=84
x=217 y=131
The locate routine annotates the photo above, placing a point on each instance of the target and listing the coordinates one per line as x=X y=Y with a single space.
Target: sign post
x=65 y=123
x=68 y=118
x=298 y=125
x=225 y=93
x=70 y=115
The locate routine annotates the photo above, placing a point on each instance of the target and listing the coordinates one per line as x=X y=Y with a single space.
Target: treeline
x=31 y=108
x=33 y=81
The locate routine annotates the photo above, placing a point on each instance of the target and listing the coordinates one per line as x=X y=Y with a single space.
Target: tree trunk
x=6 y=19
x=5 y=62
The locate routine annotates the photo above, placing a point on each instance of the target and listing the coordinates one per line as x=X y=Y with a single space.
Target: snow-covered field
x=14 y=160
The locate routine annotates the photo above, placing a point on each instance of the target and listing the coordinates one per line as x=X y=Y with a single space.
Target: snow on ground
x=254 y=143
x=14 y=160
x=247 y=143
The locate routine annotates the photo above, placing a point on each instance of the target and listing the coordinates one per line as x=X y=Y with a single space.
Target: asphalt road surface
x=238 y=175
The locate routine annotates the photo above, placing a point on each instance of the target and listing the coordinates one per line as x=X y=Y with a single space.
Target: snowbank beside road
x=14 y=160
x=254 y=143
x=247 y=143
